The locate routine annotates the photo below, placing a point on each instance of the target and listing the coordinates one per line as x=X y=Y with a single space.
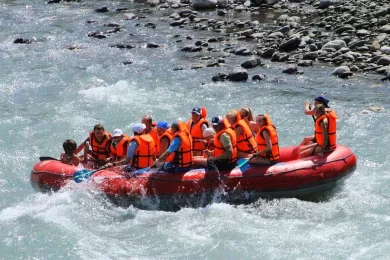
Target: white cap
x=138 y=128
x=208 y=132
x=117 y=132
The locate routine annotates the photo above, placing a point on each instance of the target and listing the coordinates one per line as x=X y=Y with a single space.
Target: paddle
x=243 y=163
x=47 y=158
x=141 y=171
x=84 y=174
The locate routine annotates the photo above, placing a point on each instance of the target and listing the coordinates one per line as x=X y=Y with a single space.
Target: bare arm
x=308 y=110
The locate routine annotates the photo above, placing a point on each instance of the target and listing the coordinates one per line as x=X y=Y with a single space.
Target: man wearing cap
x=100 y=141
x=141 y=151
x=179 y=151
x=225 y=145
x=196 y=125
x=165 y=136
x=119 y=145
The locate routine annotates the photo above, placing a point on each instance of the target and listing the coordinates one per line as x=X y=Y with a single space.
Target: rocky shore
x=350 y=35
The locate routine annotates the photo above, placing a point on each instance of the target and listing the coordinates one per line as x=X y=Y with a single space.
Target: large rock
x=238 y=74
x=385 y=28
x=251 y=63
x=324 y=4
x=290 y=44
x=204 y=4
x=336 y=44
x=384 y=61
x=340 y=70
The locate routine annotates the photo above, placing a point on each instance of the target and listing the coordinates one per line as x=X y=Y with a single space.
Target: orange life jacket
x=272 y=155
x=218 y=147
x=100 y=151
x=197 y=134
x=120 y=149
x=144 y=154
x=246 y=142
x=331 y=130
x=183 y=157
x=153 y=133
x=169 y=136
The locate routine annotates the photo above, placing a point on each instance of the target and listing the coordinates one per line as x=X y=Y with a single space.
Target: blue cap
x=197 y=110
x=216 y=120
x=163 y=125
x=322 y=99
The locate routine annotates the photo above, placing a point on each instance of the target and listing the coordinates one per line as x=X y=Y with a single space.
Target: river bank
x=349 y=35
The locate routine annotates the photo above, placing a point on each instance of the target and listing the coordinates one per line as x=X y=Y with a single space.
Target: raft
x=290 y=177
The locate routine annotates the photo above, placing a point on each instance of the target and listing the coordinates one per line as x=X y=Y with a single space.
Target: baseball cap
x=163 y=125
x=208 y=132
x=196 y=110
x=117 y=132
x=216 y=120
x=322 y=99
x=138 y=128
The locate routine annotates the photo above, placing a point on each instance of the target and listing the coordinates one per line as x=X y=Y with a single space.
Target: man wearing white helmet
x=141 y=152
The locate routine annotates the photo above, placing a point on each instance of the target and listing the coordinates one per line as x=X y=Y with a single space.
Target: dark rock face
x=103 y=9
x=23 y=41
x=238 y=74
x=290 y=44
x=219 y=77
x=258 y=77
x=251 y=64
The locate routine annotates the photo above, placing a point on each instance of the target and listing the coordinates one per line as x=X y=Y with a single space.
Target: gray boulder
x=238 y=74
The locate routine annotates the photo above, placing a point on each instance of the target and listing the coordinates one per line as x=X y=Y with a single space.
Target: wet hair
x=69 y=146
x=247 y=112
x=98 y=127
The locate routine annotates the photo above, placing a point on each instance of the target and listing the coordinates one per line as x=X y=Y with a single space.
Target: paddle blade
x=141 y=171
x=83 y=174
x=243 y=164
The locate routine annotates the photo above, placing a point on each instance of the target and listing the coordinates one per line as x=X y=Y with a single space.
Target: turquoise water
x=50 y=93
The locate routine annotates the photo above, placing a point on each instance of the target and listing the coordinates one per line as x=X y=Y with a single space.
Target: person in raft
x=181 y=148
x=209 y=135
x=69 y=156
x=141 y=152
x=196 y=125
x=225 y=146
x=165 y=137
x=152 y=130
x=312 y=112
x=119 y=145
x=247 y=116
x=99 y=141
x=267 y=141
x=246 y=142
x=325 y=135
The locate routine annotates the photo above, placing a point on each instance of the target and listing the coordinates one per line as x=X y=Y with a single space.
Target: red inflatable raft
x=288 y=178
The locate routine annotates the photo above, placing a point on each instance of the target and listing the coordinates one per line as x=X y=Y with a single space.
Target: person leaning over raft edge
x=100 y=141
x=225 y=145
x=69 y=156
x=181 y=147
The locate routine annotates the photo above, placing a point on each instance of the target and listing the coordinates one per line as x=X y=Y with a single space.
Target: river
x=50 y=93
